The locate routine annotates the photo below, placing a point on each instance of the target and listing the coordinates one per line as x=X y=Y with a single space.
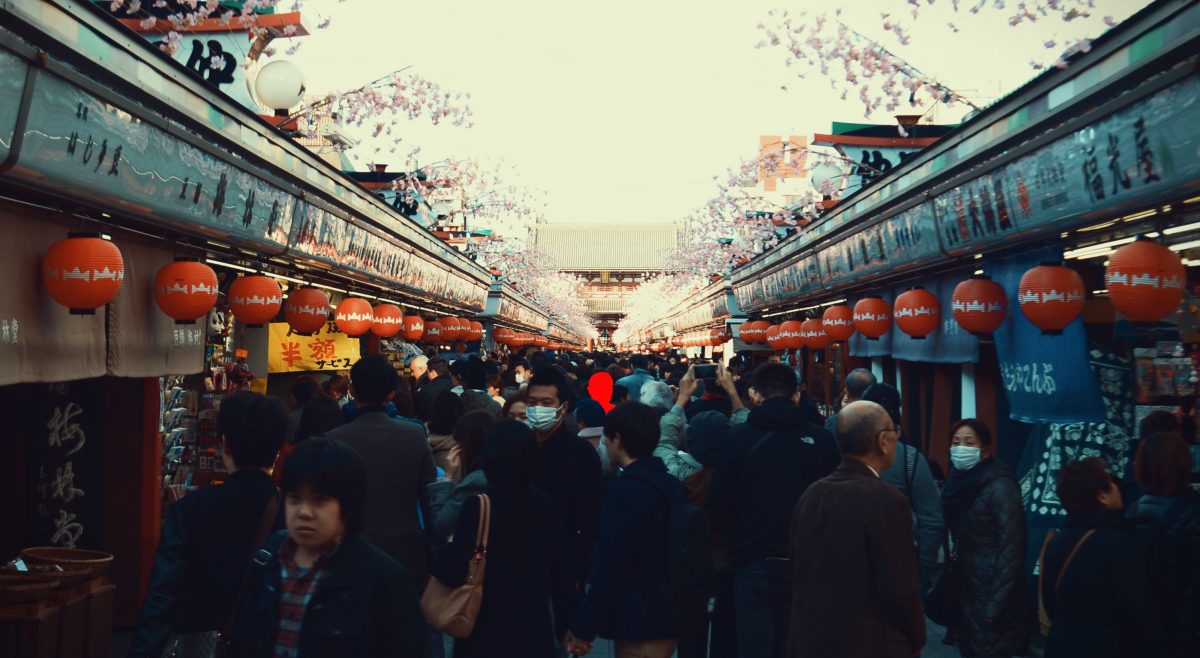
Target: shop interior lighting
x=1191 y=244
x=978 y=272
x=231 y=266
x=978 y=256
x=281 y=276
x=1182 y=228
x=331 y=288
x=1100 y=292
x=1192 y=263
x=1195 y=199
x=1102 y=249
x=1144 y=214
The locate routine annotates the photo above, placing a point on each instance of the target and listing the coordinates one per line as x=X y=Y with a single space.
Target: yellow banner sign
x=328 y=349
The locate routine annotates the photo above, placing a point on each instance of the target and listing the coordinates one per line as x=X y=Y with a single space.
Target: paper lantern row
x=710 y=338
x=506 y=336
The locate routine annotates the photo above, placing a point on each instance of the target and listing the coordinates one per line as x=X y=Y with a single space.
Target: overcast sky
x=624 y=110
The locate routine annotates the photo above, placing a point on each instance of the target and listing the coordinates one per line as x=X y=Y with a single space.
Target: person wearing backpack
x=1093 y=580
x=650 y=548
x=1168 y=520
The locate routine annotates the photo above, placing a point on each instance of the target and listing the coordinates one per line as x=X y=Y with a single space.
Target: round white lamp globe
x=826 y=178
x=280 y=85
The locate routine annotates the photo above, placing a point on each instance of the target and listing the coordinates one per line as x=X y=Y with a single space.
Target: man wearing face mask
x=570 y=468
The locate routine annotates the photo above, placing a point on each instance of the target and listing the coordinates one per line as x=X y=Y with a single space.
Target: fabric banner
x=1047 y=378
x=862 y=346
x=328 y=349
x=950 y=343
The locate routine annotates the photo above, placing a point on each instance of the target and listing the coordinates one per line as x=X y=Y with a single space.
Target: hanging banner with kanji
x=328 y=349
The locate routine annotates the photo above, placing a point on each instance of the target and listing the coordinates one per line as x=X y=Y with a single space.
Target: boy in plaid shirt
x=319 y=590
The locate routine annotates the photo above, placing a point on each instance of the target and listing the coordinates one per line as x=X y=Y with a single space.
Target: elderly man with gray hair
x=857 y=382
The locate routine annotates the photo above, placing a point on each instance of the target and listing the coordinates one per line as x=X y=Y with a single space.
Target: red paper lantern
x=450 y=328
x=540 y=340
x=773 y=339
x=433 y=332
x=388 y=320
x=721 y=335
x=872 y=317
x=979 y=305
x=255 y=300
x=414 y=327
x=83 y=273
x=1051 y=297
x=503 y=335
x=185 y=290
x=838 y=322
x=813 y=334
x=306 y=310
x=753 y=333
x=790 y=336
x=1145 y=281
x=918 y=313
x=353 y=316
x=476 y=331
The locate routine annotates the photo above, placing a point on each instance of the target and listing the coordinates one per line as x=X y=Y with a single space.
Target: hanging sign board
x=328 y=349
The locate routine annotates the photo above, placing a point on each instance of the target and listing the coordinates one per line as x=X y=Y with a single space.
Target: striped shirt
x=296 y=589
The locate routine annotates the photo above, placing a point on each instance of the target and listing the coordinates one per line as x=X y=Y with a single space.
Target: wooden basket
x=95 y=562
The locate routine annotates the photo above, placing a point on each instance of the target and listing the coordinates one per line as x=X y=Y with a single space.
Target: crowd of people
x=672 y=508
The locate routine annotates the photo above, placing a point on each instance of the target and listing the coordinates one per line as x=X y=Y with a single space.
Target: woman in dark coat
x=527 y=567
x=983 y=512
x=1099 y=601
x=1168 y=520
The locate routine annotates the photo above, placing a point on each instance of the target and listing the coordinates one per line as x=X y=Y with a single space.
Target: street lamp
x=280 y=86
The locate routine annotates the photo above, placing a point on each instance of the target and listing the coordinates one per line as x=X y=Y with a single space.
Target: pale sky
x=624 y=110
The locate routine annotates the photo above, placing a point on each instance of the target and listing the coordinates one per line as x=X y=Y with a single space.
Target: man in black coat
x=628 y=598
x=438 y=379
x=762 y=471
x=208 y=537
x=854 y=566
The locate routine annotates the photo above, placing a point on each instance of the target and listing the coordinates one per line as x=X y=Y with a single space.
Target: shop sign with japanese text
x=328 y=349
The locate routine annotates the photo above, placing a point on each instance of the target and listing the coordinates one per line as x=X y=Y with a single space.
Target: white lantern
x=280 y=86
x=826 y=178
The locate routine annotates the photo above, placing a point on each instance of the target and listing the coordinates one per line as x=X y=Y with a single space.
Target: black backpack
x=690 y=575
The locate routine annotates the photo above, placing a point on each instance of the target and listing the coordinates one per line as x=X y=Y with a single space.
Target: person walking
x=638 y=376
x=209 y=536
x=437 y=380
x=528 y=586
x=447 y=409
x=985 y=517
x=1168 y=520
x=772 y=459
x=628 y=599
x=318 y=590
x=465 y=477
x=319 y=415
x=399 y=467
x=854 y=568
x=857 y=383
x=1094 y=584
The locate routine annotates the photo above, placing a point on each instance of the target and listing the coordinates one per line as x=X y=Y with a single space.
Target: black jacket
x=527 y=572
x=985 y=516
x=628 y=597
x=1170 y=529
x=366 y=606
x=570 y=474
x=202 y=555
x=424 y=398
x=854 y=570
x=1103 y=608
x=771 y=460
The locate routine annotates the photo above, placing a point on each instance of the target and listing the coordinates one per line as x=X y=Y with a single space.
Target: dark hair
x=510 y=454
x=775 y=380
x=304 y=388
x=538 y=360
x=551 y=377
x=469 y=432
x=373 y=378
x=447 y=409
x=620 y=394
x=473 y=374
x=1079 y=484
x=334 y=469
x=496 y=382
x=336 y=386
x=856 y=434
x=318 y=416
x=886 y=396
x=981 y=430
x=1158 y=421
x=440 y=366
x=403 y=399
x=638 y=361
x=637 y=426
x=1163 y=464
x=858 y=381
x=508 y=404
x=254 y=427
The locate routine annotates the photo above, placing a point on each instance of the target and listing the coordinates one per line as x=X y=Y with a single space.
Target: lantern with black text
x=185 y=290
x=838 y=322
x=790 y=337
x=872 y=317
x=433 y=332
x=1145 y=281
x=917 y=313
x=306 y=310
x=83 y=273
x=353 y=316
x=387 y=320
x=255 y=300
x=979 y=305
x=1051 y=297
x=812 y=333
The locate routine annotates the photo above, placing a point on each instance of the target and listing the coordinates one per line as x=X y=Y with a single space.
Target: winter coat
x=910 y=474
x=365 y=606
x=987 y=521
x=1103 y=607
x=854 y=570
x=680 y=463
x=447 y=497
x=1170 y=528
x=441 y=445
x=770 y=460
x=528 y=575
x=633 y=382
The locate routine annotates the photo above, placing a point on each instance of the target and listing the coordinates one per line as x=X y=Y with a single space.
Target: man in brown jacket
x=854 y=567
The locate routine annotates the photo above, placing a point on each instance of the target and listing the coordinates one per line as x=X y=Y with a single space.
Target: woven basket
x=95 y=562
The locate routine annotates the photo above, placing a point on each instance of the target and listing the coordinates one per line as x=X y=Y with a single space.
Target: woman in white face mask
x=985 y=575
